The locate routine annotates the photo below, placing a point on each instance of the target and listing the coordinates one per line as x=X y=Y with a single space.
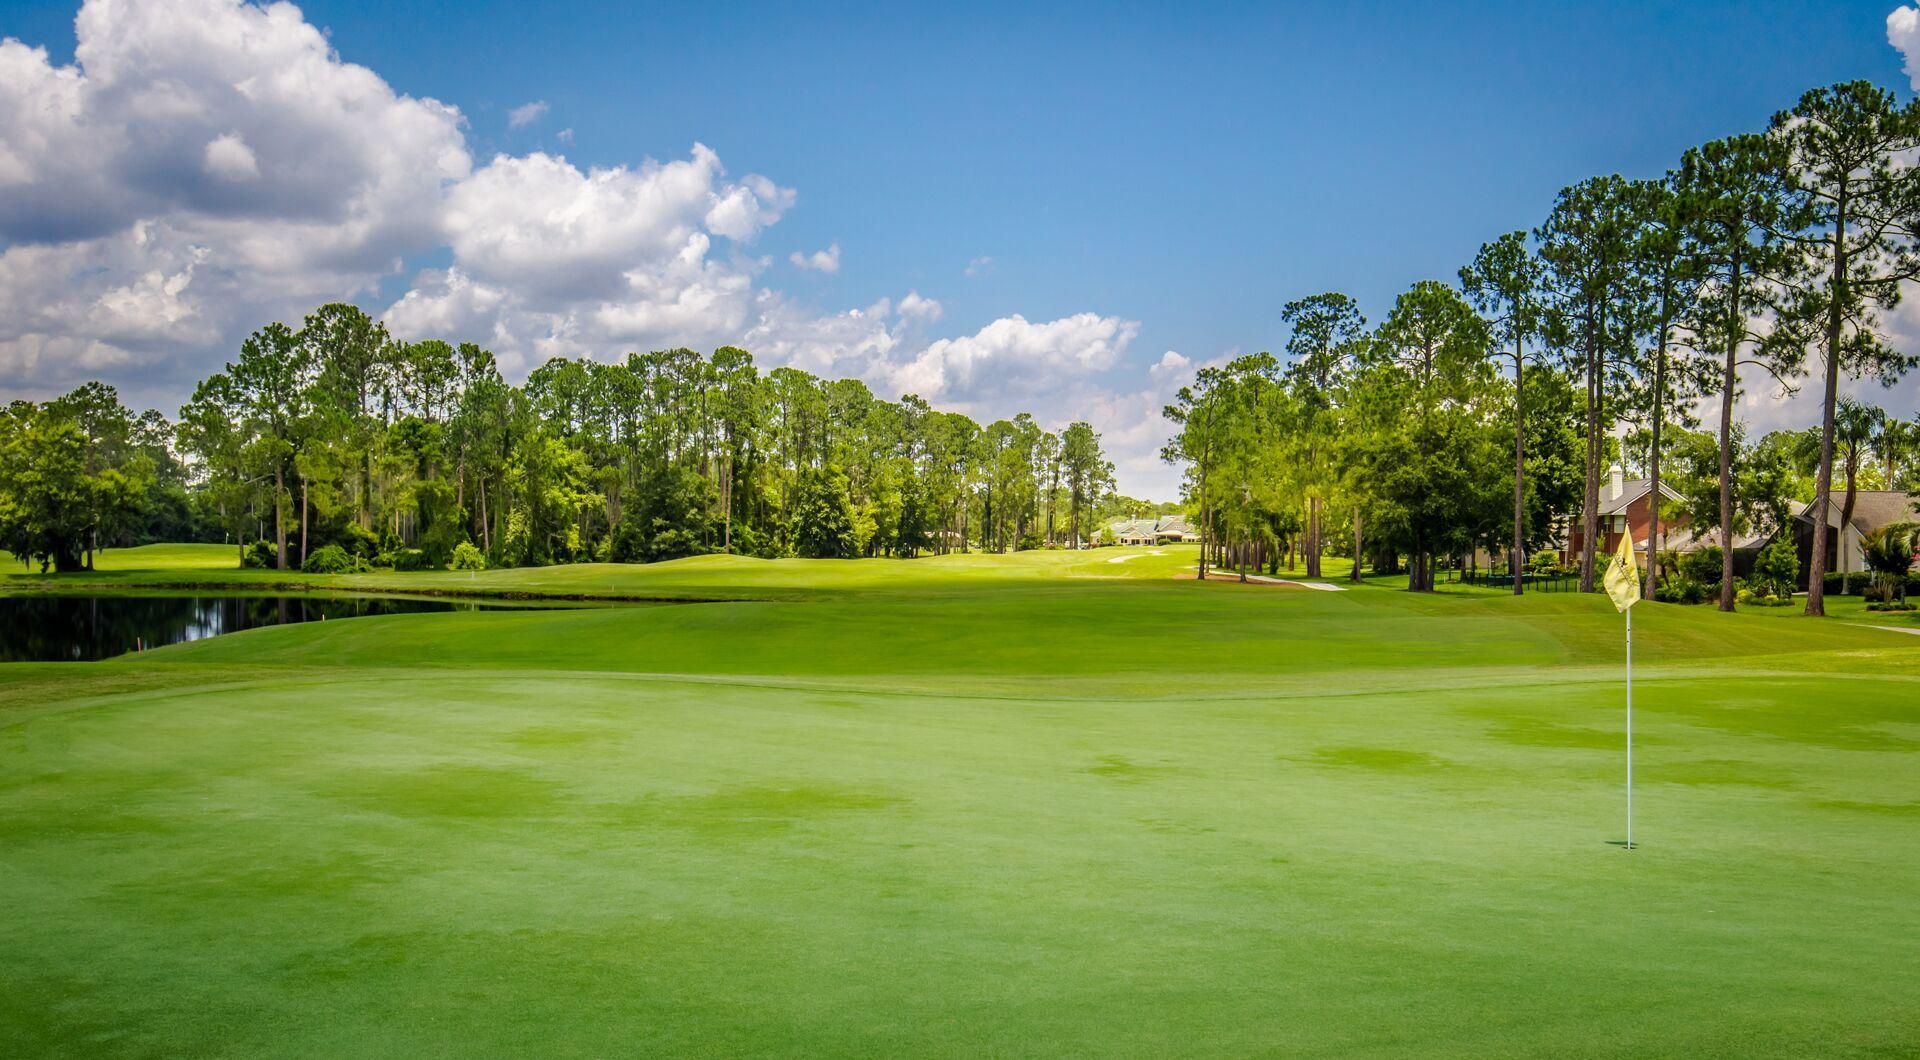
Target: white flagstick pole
x=1629 y=728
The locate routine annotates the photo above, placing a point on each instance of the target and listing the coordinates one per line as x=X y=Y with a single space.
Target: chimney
x=1616 y=482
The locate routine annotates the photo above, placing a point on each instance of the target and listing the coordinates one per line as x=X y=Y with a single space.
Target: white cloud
x=214 y=156
x=913 y=305
x=526 y=114
x=1169 y=367
x=747 y=207
x=827 y=261
x=229 y=158
x=206 y=166
x=565 y=136
x=552 y=260
x=1903 y=32
x=1015 y=356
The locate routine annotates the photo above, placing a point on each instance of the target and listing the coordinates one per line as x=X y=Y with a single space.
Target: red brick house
x=1625 y=508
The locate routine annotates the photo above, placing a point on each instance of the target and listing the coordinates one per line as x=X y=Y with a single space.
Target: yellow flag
x=1623 y=577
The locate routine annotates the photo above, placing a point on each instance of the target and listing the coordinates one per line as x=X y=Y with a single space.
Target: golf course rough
x=1029 y=804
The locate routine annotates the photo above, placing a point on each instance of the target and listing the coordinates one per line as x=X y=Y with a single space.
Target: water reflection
x=77 y=628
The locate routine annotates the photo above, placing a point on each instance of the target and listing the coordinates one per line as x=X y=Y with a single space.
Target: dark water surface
x=76 y=628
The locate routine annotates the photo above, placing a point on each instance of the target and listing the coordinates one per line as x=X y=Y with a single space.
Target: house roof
x=1170 y=524
x=1684 y=539
x=1632 y=490
x=1872 y=509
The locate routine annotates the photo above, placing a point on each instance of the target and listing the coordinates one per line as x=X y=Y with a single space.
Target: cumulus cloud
x=913 y=305
x=205 y=166
x=1903 y=32
x=526 y=114
x=229 y=158
x=827 y=261
x=1170 y=366
x=1015 y=356
x=215 y=158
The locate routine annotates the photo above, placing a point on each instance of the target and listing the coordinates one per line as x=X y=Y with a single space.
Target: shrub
x=467 y=557
x=1889 y=605
x=260 y=555
x=1752 y=598
x=1701 y=565
x=359 y=540
x=409 y=559
x=1679 y=589
x=1855 y=583
x=332 y=559
x=1776 y=569
x=1889 y=555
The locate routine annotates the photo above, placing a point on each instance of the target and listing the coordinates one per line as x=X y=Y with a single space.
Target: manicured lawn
x=1040 y=804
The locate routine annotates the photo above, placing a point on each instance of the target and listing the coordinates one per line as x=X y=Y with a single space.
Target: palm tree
x=1888 y=552
x=1894 y=443
x=1854 y=428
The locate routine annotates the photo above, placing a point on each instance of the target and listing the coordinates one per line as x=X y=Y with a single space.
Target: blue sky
x=1182 y=171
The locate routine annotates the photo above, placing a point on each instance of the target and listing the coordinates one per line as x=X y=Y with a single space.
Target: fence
x=1539 y=583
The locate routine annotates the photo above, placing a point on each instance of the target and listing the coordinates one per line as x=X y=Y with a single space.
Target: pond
x=79 y=628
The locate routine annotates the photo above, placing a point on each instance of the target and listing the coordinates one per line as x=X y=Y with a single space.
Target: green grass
x=1040 y=804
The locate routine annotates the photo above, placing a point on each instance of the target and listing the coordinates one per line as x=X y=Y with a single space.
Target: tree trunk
x=1846 y=520
x=1313 y=537
x=1653 y=469
x=1590 y=500
x=1358 y=552
x=1823 y=482
x=279 y=516
x=1517 y=565
x=303 y=522
x=1729 y=379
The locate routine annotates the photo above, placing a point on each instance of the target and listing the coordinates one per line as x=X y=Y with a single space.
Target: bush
x=260 y=555
x=1776 y=569
x=332 y=559
x=409 y=559
x=1752 y=598
x=1856 y=583
x=1701 y=565
x=1889 y=605
x=467 y=557
x=359 y=540
x=1679 y=589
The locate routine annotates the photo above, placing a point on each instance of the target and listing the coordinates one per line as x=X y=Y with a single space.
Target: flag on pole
x=1623 y=576
x=1623 y=584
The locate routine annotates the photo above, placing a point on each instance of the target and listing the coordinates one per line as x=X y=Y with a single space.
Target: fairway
x=1038 y=804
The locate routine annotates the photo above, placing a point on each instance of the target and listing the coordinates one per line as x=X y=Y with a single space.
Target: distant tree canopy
x=1631 y=311
x=337 y=434
x=1488 y=416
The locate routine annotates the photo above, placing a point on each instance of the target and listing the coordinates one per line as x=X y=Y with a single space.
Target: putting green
x=1031 y=804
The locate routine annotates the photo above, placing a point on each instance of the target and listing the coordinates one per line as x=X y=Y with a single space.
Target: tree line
x=335 y=435
x=1598 y=335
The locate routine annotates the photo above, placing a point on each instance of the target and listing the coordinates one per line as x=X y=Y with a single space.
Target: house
x=1176 y=528
x=1872 y=510
x=1625 y=509
x=1151 y=531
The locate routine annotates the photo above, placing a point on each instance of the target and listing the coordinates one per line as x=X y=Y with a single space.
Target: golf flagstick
x=1623 y=585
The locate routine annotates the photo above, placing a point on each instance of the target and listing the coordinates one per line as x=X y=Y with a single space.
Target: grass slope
x=1034 y=804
